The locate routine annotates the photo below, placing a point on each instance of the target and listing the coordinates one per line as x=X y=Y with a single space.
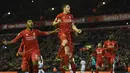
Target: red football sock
x=66 y=60
x=60 y=51
x=35 y=68
x=73 y=66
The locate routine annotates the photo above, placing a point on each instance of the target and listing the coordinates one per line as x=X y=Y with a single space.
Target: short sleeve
x=19 y=36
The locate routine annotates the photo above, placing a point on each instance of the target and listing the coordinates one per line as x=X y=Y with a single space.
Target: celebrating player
x=66 y=24
x=99 y=56
x=31 y=47
x=111 y=48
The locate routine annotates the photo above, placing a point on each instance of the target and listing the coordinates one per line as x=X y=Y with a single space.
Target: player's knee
x=24 y=69
x=67 y=50
x=64 y=42
x=35 y=63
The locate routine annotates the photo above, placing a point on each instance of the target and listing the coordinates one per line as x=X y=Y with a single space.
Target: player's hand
x=18 y=54
x=4 y=42
x=79 y=31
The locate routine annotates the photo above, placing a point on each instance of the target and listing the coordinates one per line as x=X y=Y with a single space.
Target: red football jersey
x=110 y=46
x=66 y=22
x=100 y=52
x=30 y=40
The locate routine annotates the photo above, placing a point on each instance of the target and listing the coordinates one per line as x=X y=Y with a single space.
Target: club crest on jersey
x=33 y=33
x=26 y=34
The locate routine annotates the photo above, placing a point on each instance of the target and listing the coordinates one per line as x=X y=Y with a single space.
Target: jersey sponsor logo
x=67 y=20
x=99 y=51
x=30 y=37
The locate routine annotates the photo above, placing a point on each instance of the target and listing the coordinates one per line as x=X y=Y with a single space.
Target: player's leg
x=97 y=65
x=40 y=71
x=94 y=70
x=25 y=65
x=70 y=68
x=35 y=56
x=61 y=67
x=102 y=64
x=107 y=56
x=64 y=43
x=112 y=62
x=70 y=53
x=72 y=63
x=82 y=69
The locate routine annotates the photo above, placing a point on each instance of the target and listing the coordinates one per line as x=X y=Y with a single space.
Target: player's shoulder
x=36 y=30
x=106 y=41
x=70 y=14
x=60 y=14
x=23 y=31
x=114 y=41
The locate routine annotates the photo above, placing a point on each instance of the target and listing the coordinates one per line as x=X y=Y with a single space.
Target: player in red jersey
x=65 y=23
x=99 y=56
x=31 y=47
x=111 y=48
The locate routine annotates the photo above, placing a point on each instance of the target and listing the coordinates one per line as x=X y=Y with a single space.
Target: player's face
x=111 y=37
x=30 y=23
x=99 y=45
x=67 y=8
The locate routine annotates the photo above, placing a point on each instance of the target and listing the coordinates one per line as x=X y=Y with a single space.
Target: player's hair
x=64 y=5
x=29 y=20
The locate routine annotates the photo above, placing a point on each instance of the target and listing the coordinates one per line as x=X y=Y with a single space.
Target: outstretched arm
x=14 y=40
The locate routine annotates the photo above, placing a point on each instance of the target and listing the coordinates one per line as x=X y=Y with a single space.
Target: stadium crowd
x=49 y=46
